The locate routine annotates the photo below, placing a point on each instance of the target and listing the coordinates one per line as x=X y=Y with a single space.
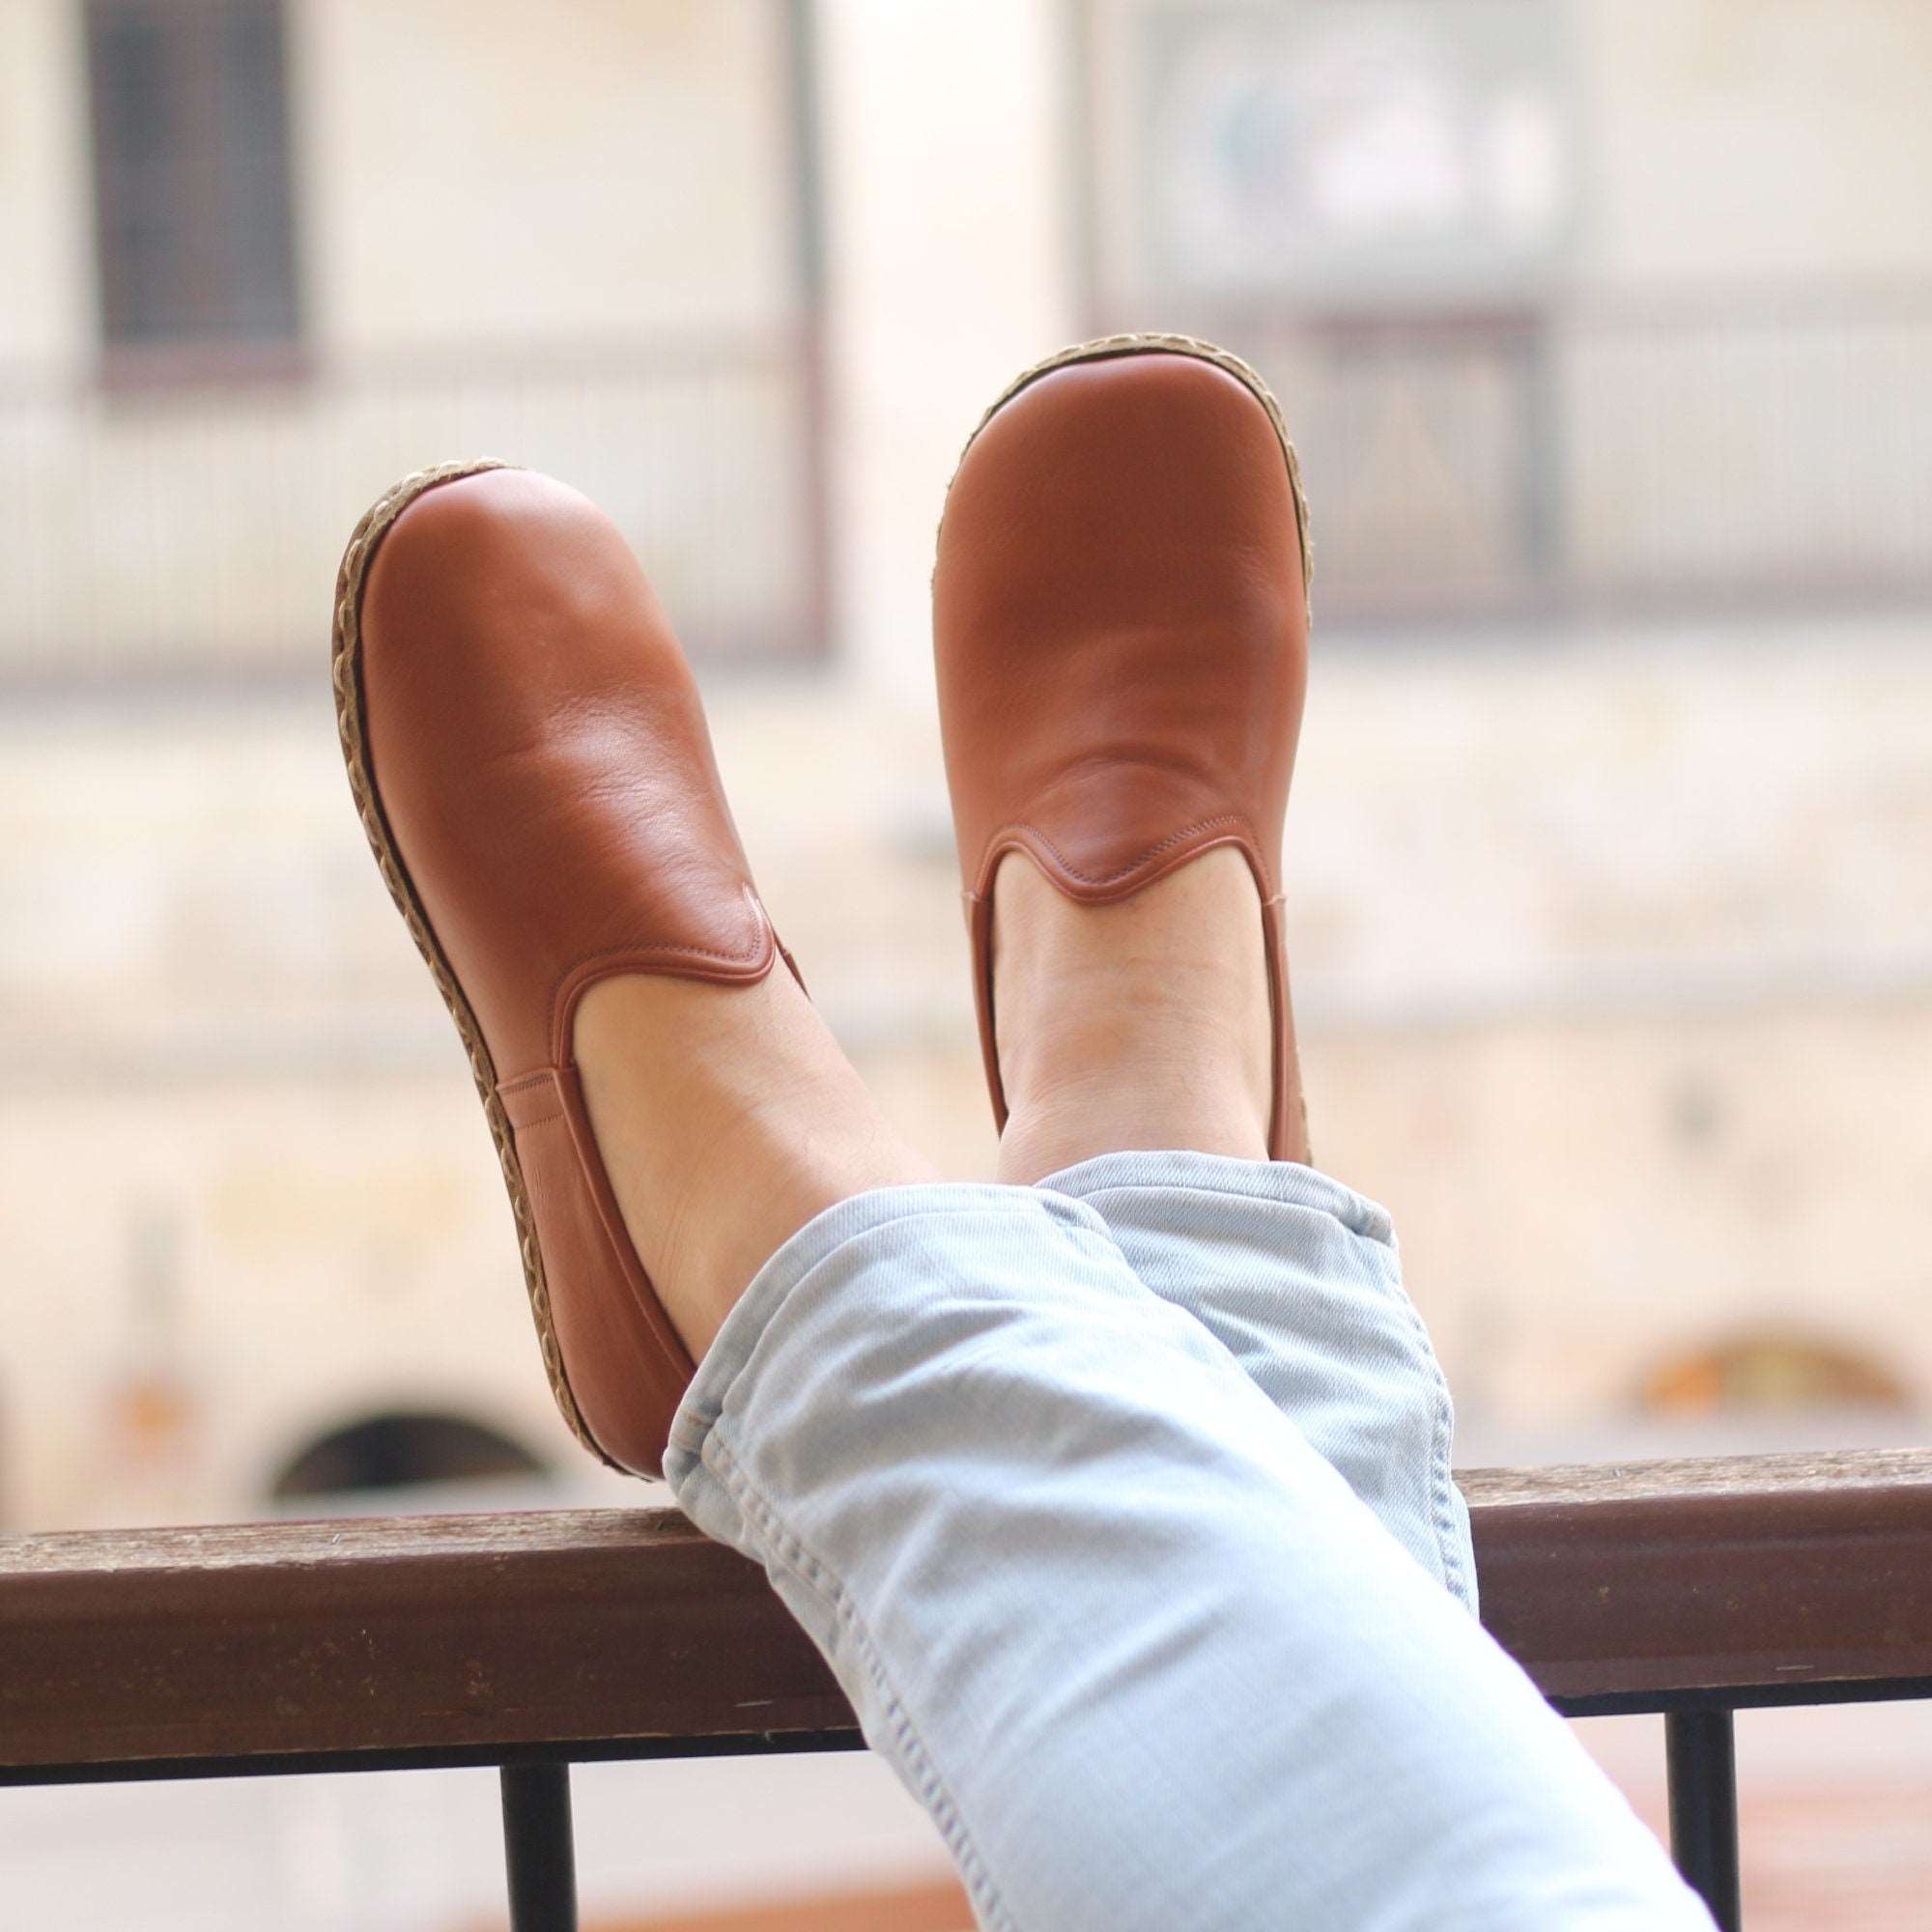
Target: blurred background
x=1604 y=327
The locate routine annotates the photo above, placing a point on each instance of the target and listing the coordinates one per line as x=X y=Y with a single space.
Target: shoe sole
x=346 y=674
x=1106 y=347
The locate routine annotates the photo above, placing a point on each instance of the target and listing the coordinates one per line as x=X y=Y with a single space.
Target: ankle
x=748 y=1181
x=1082 y=1119
x=1142 y=1024
x=727 y=1118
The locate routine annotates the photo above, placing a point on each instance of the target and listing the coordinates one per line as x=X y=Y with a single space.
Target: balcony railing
x=1684 y=454
x=1693 y=1589
x=152 y=532
x=1751 y=448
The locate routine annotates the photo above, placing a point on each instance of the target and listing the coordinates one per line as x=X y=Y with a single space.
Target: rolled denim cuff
x=835 y=1247
x=1286 y=1183
x=1299 y=1279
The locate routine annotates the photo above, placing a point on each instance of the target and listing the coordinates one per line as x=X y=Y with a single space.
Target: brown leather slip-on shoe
x=1121 y=627
x=531 y=761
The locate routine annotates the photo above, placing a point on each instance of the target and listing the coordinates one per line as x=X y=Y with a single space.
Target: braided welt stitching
x=345 y=676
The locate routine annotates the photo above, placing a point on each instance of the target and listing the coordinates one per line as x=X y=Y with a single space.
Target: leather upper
x=1120 y=623
x=543 y=761
x=542 y=764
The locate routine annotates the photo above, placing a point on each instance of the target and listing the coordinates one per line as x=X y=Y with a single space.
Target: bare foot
x=727 y=1118
x=1142 y=1024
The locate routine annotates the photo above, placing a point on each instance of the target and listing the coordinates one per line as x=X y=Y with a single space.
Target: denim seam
x=1441 y=1518
x=1448 y=1545
x=1446 y=1537
x=817 y=1575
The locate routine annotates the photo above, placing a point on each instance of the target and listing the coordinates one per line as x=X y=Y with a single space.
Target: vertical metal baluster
x=1700 y=1756
x=539 y=1856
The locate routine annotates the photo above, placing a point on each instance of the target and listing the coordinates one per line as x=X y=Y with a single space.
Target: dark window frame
x=194 y=203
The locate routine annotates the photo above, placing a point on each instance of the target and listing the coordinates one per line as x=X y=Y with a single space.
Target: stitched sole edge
x=1103 y=347
x=346 y=676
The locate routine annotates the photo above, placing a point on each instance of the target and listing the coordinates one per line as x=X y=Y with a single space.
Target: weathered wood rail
x=535 y=1640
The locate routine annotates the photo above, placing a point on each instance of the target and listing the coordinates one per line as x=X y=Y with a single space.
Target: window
x=1345 y=156
x=1374 y=201
x=193 y=198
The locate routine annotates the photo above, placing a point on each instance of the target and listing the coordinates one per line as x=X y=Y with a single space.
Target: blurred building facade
x=1606 y=330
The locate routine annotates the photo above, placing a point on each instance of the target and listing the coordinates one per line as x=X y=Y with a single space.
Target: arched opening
x=1769 y=1370
x=403 y=1450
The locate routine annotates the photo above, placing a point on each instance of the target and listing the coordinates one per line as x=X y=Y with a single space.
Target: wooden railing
x=531 y=1642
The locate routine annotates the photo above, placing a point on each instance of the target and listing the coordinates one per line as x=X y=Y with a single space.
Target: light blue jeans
x=1121 y=1509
